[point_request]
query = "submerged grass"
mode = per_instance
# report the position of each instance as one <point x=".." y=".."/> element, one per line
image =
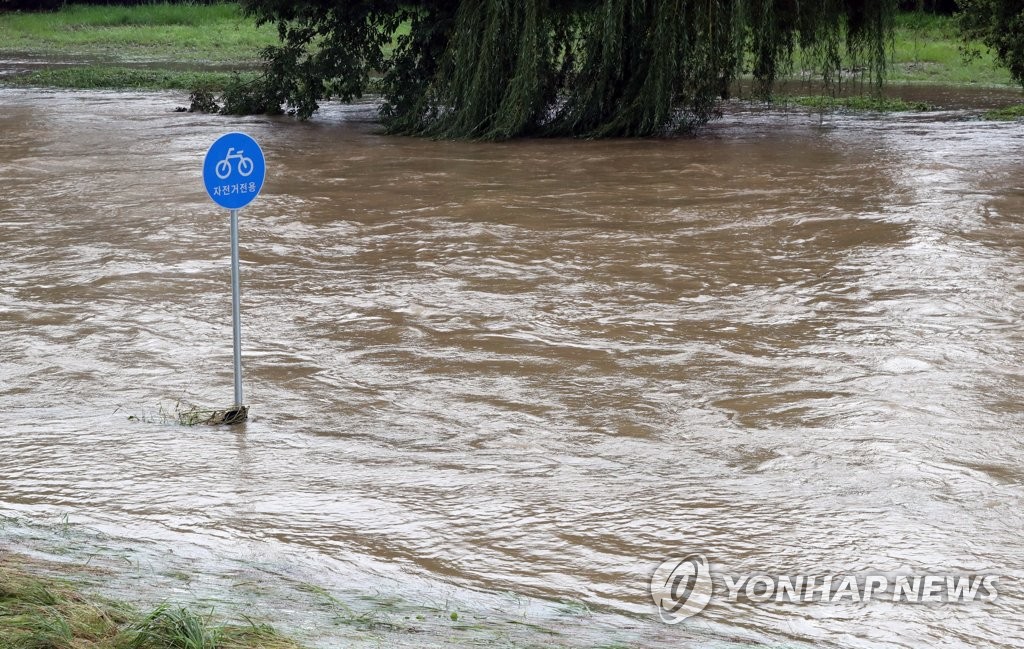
<point x="188" y="414"/>
<point x="122" y="78"/>
<point x="40" y="611"/>
<point x="1005" y="114"/>
<point x="46" y="613"/>
<point x="858" y="104"/>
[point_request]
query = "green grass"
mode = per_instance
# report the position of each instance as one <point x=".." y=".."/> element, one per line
<point x="122" y="78"/>
<point x="926" y="48"/>
<point x="180" y="33"/>
<point x="1007" y="113"/>
<point x="45" y="613"/>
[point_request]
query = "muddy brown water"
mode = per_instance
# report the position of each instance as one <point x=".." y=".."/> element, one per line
<point x="793" y="344"/>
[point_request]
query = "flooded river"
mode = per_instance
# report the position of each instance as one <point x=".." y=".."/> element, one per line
<point x="535" y="369"/>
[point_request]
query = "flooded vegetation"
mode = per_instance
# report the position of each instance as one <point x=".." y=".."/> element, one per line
<point x="47" y="612"/>
<point x="506" y="381"/>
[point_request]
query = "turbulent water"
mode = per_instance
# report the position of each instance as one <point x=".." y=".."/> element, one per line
<point x="792" y="344"/>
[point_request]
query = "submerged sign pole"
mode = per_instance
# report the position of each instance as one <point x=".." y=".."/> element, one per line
<point x="233" y="172"/>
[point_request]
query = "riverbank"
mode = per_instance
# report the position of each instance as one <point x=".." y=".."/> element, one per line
<point x="274" y="600"/>
<point x="168" y="36"/>
<point x="189" y="47"/>
<point x="42" y="611"/>
<point x="147" y="47"/>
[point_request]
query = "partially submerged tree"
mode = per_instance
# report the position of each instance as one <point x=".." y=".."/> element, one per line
<point x="495" y="69"/>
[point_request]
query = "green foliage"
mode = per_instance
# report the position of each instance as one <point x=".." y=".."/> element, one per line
<point x="40" y="613"/>
<point x="999" y="25"/>
<point x="202" y="100"/>
<point x="929" y="48"/>
<point x="1007" y="113"/>
<point x="328" y="49"/>
<point x="495" y="69"/>
<point x="173" y="627"/>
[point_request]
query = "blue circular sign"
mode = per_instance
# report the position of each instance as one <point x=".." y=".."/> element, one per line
<point x="233" y="171"/>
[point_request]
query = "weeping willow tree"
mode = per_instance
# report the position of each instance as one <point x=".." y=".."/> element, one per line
<point x="496" y="69"/>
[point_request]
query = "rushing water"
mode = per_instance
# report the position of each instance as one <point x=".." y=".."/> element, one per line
<point x="793" y="344"/>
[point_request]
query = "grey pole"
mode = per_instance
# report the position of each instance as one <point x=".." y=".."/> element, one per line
<point x="236" y="316"/>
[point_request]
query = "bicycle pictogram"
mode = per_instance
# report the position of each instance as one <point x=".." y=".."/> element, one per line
<point x="245" y="164"/>
<point x="233" y="170"/>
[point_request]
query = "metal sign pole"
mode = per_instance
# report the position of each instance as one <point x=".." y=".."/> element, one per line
<point x="233" y="172"/>
<point x="236" y="315"/>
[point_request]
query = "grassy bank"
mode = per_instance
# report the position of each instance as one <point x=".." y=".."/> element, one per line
<point x="155" y="46"/>
<point x="926" y="49"/>
<point x="38" y="612"/>
<point x="194" y="35"/>
<point x="51" y="571"/>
